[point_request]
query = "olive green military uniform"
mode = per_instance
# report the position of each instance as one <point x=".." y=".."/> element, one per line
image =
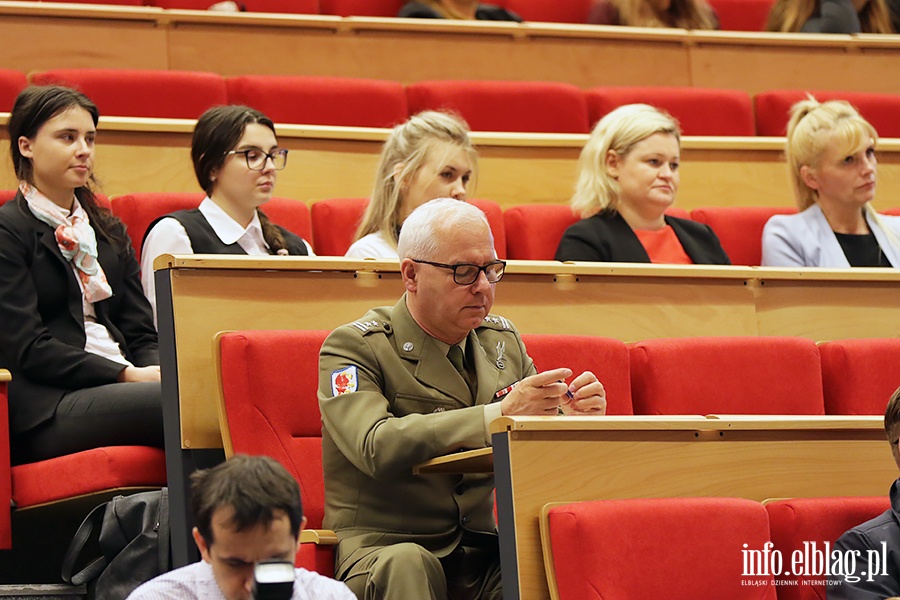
<point x="390" y="399"/>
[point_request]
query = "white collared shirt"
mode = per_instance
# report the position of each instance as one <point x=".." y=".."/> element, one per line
<point x="168" y="236"/>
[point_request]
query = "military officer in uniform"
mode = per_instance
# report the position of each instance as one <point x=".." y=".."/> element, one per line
<point x="424" y="378"/>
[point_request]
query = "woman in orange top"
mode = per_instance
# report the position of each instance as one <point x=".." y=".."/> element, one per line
<point x="628" y="178"/>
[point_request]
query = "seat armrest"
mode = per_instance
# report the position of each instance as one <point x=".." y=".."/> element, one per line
<point x="321" y="537"/>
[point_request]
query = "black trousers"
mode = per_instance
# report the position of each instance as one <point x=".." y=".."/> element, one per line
<point x="117" y="414"/>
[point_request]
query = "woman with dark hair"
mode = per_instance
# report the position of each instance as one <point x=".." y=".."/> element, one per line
<point x="236" y="159"/>
<point x="78" y="336"/>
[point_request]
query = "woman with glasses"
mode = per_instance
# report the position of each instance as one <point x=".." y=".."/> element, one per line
<point x="236" y="160"/>
<point x="628" y="178"/>
<point x="77" y="332"/>
<point x="429" y="156"/>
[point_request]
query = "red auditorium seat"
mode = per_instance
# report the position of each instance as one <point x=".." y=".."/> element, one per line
<point x="137" y="93"/>
<point x="137" y="211"/>
<point x="361" y="8"/>
<point x="110" y="2"/>
<point x="740" y="228"/>
<point x="773" y="108"/>
<point x="11" y="83"/>
<point x="549" y="11"/>
<point x="726" y="375"/>
<point x="305" y="7"/>
<point x="534" y="230"/>
<point x="643" y="548"/>
<point x="859" y="375"/>
<point x="99" y="471"/>
<point x="796" y="523"/>
<point x="742" y="15"/>
<point x="517" y="106"/>
<point x="700" y="111"/>
<point x="321" y="100"/>
<point x="334" y="223"/>
<point x="607" y="358"/>
<point x="269" y="381"/>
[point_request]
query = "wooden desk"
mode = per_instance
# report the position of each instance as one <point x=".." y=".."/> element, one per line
<point x="199" y="296"/>
<point x="567" y="459"/>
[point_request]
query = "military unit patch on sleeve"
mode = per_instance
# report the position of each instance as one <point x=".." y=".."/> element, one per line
<point x="344" y="381"/>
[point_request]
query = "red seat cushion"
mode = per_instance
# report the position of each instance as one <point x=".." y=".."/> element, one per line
<point x="742" y="15"/>
<point x="341" y="101"/>
<point x="726" y="375"/>
<point x="86" y="472"/>
<point x="534" y="230"/>
<point x="142" y="93"/>
<point x="361" y="8"/>
<point x="860" y="375"/>
<point x="550" y="11"/>
<point x="607" y="358"/>
<point x="519" y="106"/>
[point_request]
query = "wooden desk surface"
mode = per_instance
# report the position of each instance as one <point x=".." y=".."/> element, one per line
<point x="539" y="460"/>
<point x="212" y="293"/>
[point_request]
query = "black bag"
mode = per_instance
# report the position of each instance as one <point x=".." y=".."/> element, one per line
<point x="133" y="537"/>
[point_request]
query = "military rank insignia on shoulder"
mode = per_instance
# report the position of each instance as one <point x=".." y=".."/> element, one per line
<point x="366" y="327"/>
<point x="496" y="322"/>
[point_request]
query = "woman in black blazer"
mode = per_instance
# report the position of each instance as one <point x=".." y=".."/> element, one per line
<point x="628" y="178"/>
<point x="78" y="335"/>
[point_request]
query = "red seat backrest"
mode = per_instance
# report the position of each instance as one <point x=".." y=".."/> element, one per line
<point x="11" y="83"/>
<point x="550" y="11"/>
<point x="859" y="375"/>
<point x="798" y="523"/>
<point x="269" y="385"/>
<point x="699" y="111"/>
<point x="518" y="106"/>
<point x="642" y="548"/>
<point x="533" y="231"/>
<point x="305" y="7"/>
<point x="142" y="93"/>
<point x="742" y="15"/>
<point x="726" y="375"/>
<point x="607" y="358"/>
<point x="137" y="211"/>
<point x="341" y="101"/>
<point x="334" y="223"/>
<point x="361" y="8"/>
<point x="740" y="228"/>
<point x="773" y="108"/>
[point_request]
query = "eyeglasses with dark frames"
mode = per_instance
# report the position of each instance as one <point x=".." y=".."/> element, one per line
<point x="467" y="273"/>
<point x="256" y="158"/>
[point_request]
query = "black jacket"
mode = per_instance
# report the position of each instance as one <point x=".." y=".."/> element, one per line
<point x="606" y="237"/>
<point x="42" y="331"/>
<point x="484" y="12"/>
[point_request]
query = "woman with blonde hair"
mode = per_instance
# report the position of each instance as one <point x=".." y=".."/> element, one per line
<point x="830" y="16"/>
<point x="456" y="9"/>
<point x="429" y="156"/>
<point x="831" y="157"/>
<point x="628" y="177"/>
<point x="683" y="14"/>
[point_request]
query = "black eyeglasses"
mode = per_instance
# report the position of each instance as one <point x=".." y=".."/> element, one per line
<point x="256" y="158"/>
<point x="467" y="273"/>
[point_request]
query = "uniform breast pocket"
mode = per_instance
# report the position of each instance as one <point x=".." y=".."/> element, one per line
<point x="420" y="405"/>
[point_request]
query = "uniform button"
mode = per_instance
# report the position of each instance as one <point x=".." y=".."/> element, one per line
<point x="464" y="520"/>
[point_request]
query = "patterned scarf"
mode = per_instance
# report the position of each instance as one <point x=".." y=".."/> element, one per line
<point x="76" y="240"/>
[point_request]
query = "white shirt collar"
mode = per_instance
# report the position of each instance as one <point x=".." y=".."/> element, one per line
<point x="227" y="229"/>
